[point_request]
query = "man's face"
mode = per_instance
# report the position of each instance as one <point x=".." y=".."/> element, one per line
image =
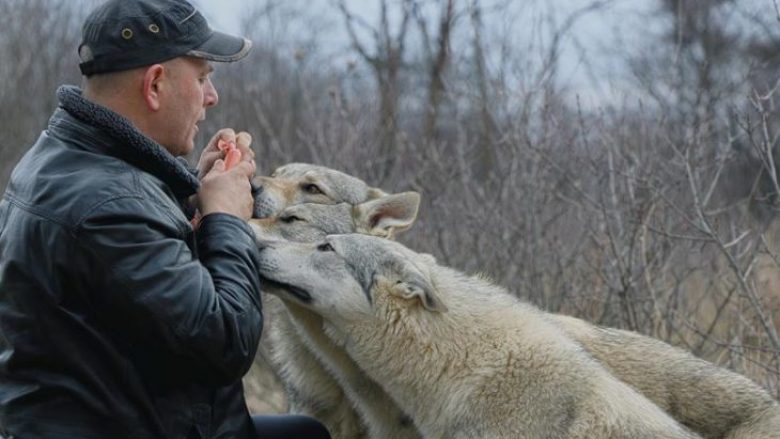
<point x="189" y="92"/>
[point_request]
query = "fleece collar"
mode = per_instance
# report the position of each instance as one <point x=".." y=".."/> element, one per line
<point x="129" y="143"/>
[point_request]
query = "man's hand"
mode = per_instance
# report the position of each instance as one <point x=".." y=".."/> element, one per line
<point x="212" y="152"/>
<point x="226" y="190"/>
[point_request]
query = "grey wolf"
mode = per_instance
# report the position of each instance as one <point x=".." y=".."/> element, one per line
<point x="299" y="183"/>
<point x="306" y="201"/>
<point x="463" y="357"/>
<point x="691" y="391"/>
<point x="710" y="400"/>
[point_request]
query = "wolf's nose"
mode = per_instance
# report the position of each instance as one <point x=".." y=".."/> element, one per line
<point x="258" y="211"/>
<point x="257" y="189"/>
<point x="263" y="244"/>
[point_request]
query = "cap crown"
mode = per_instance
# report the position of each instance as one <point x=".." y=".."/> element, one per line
<point x="124" y="34"/>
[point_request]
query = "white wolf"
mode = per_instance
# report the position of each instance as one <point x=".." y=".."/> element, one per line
<point x="304" y="201"/>
<point x="463" y="357"/>
<point x="710" y="400"/>
<point x="299" y="183"/>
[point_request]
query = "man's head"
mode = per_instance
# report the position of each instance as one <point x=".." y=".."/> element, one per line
<point x="149" y="60"/>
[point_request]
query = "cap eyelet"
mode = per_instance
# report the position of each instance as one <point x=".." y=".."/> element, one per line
<point x="127" y="33"/>
<point x="153" y="28"/>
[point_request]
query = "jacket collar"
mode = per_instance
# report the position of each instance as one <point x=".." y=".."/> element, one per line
<point x="129" y="144"/>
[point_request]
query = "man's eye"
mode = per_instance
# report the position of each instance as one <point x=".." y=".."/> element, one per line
<point x="312" y="189"/>
<point x="325" y="247"/>
<point x="289" y="219"/>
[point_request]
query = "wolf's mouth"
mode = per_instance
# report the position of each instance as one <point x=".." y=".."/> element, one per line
<point x="294" y="291"/>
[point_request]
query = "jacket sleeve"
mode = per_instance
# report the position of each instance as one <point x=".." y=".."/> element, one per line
<point x="178" y="314"/>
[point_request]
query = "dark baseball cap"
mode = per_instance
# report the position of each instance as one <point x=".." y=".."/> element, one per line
<point x="125" y="34"/>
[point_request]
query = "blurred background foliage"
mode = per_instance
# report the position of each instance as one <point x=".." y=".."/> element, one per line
<point x="630" y="179"/>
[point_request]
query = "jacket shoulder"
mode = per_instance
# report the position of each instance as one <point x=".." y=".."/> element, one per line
<point x="62" y="182"/>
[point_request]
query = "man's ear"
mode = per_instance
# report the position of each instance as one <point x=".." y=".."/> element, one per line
<point x="152" y="84"/>
<point x="388" y="214"/>
<point x="414" y="284"/>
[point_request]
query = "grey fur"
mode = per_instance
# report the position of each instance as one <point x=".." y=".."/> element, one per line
<point x="692" y="391"/>
<point x="308" y="363"/>
<point x="463" y="357"/>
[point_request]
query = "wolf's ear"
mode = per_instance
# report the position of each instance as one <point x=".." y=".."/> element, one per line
<point x="374" y="193"/>
<point x="388" y="214"/>
<point x="414" y="284"/>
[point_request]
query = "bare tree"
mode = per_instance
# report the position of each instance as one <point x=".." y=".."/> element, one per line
<point x="486" y="155"/>
<point x="386" y="61"/>
<point x="437" y="55"/>
<point x="636" y="214"/>
<point x="33" y="68"/>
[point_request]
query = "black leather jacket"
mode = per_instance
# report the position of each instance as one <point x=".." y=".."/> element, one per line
<point x="116" y="319"/>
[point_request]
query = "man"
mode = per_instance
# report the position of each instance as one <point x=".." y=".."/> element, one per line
<point x="117" y="318"/>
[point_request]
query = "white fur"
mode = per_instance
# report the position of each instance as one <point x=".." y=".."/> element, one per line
<point x="462" y="357"/>
<point x="321" y="380"/>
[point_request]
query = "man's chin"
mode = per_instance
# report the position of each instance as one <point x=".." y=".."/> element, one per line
<point x="180" y="150"/>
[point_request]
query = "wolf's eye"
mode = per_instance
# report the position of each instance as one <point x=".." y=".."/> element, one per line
<point x="289" y="219"/>
<point x="312" y="189"/>
<point x="325" y="247"/>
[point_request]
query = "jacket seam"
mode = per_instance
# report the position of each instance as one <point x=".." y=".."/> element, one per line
<point x="33" y="210"/>
<point x="102" y="203"/>
<point x="160" y="206"/>
<point x="234" y="221"/>
<point x="166" y="209"/>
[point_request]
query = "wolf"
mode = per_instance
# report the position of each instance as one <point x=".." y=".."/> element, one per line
<point x="300" y="183"/>
<point x="463" y="357"/>
<point x="300" y="202"/>
<point x="712" y="401"/>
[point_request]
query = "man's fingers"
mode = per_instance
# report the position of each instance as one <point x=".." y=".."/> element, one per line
<point x="225" y="134"/>
<point x="232" y="157"/>
<point x="244" y="139"/>
<point x="246" y="167"/>
<point x="219" y="165"/>
<point x="243" y="143"/>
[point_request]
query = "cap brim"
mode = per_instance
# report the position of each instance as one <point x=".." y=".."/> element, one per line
<point x="221" y="47"/>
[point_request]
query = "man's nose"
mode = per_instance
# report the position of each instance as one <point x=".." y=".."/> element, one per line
<point x="210" y="97"/>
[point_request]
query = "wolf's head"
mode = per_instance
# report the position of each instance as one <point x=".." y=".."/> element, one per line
<point x="310" y="222"/>
<point x="299" y="183"/>
<point x="350" y="278"/>
<point x="305" y="203"/>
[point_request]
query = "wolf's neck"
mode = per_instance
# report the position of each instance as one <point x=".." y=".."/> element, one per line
<point x="417" y="369"/>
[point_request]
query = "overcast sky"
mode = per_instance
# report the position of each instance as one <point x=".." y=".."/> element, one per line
<point x="594" y="33"/>
<point x="599" y="40"/>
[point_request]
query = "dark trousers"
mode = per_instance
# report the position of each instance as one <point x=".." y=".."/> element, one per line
<point x="288" y="427"/>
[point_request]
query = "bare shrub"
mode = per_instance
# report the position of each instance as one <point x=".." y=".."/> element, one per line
<point x="656" y="213"/>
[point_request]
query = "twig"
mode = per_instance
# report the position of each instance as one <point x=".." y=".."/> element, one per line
<point x="777" y="10"/>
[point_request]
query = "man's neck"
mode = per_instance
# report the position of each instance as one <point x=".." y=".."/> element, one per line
<point x="121" y="103"/>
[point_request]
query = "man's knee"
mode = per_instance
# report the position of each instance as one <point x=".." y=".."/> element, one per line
<point x="288" y="426"/>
